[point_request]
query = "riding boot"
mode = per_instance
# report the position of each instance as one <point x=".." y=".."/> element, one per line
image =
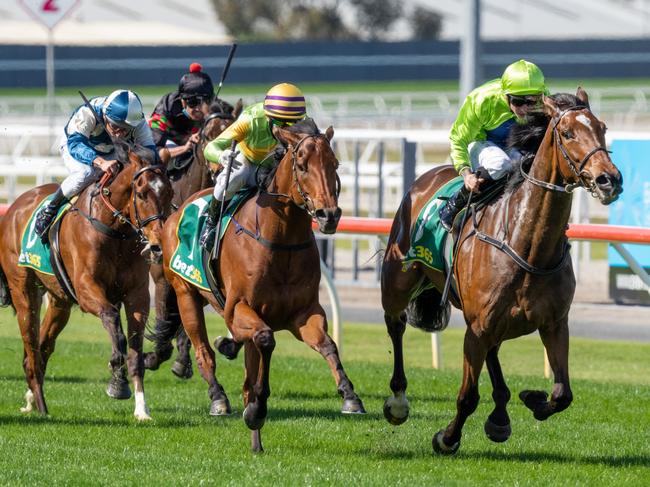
<point x="450" y="209"/>
<point x="46" y="216"/>
<point x="208" y="236"/>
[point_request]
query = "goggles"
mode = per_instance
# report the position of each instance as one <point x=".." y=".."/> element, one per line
<point x="282" y="123"/>
<point x="520" y="101"/>
<point x="194" y="101"/>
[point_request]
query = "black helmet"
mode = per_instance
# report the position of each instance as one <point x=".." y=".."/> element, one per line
<point x="196" y="84"/>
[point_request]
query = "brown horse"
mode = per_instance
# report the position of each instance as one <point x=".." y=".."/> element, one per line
<point x="511" y="267"/>
<point x="103" y="240"/>
<point x="194" y="176"/>
<point x="269" y="273"/>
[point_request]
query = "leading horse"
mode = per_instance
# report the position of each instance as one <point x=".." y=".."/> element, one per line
<point x="269" y="272"/>
<point x="104" y="239"/>
<point x="186" y="180"/>
<point x="512" y="269"/>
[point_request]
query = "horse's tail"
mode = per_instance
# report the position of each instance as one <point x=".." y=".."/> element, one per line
<point x="5" y="295"/>
<point x="425" y="312"/>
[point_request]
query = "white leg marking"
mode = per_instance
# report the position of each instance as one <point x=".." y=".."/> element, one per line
<point x="141" y="410"/>
<point x="30" y="403"/>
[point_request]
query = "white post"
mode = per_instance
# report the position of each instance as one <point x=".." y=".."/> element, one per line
<point x="49" y="67"/>
<point x="337" y="330"/>
<point x="436" y="361"/>
<point x="547" y="365"/>
<point x="470" y="47"/>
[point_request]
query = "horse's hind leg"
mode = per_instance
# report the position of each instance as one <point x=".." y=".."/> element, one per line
<point x="447" y="441"/>
<point x="314" y="334"/>
<point x="136" y="306"/>
<point x="27" y="303"/>
<point x="556" y="342"/>
<point x="118" y="385"/>
<point x="191" y="309"/>
<point x="497" y="426"/>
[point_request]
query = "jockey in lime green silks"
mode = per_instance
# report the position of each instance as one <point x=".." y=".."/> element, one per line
<point x="283" y="105"/>
<point x="479" y="135"/>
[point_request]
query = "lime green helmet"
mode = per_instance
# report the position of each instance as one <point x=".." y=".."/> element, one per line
<point x="522" y="78"/>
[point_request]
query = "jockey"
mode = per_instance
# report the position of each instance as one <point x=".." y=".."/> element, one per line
<point x="479" y="135"/>
<point x="283" y="106"/>
<point x="87" y="148"/>
<point x="178" y="116"/>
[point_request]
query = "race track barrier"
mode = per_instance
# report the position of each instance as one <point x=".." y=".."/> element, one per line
<point x="616" y="235"/>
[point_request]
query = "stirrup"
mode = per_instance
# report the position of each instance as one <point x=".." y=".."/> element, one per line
<point x="207" y="238"/>
<point x="43" y="222"/>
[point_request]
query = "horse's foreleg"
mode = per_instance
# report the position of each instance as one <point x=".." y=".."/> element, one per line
<point x="191" y="310"/>
<point x="118" y="386"/>
<point x="251" y="371"/>
<point x="396" y="408"/>
<point x="136" y="306"/>
<point x="556" y="342"/>
<point x="248" y="327"/>
<point x="497" y="425"/>
<point x="447" y="441"/>
<point x="27" y="303"/>
<point x="55" y="319"/>
<point x="314" y="334"/>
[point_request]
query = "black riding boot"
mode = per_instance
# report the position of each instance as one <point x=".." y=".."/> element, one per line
<point x="208" y="235"/>
<point x="48" y="212"/>
<point x="454" y="204"/>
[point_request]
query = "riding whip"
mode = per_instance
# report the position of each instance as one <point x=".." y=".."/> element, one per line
<point x="445" y="291"/>
<point x="217" y="241"/>
<point x="87" y="103"/>
<point x="233" y="48"/>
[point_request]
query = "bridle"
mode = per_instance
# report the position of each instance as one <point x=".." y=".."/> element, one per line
<point x="202" y="137"/>
<point x="308" y="203"/>
<point x="137" y="229"/>
<point x="585" y="182"/>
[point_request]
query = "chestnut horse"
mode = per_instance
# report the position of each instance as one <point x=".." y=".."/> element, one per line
<point x="104" y="239"/>
<point x="511" y="268"/>
<point x="269" y="272"/>
<point x="192" y="177"/>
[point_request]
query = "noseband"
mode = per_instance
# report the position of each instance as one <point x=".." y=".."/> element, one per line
<point x="579" y="172"/>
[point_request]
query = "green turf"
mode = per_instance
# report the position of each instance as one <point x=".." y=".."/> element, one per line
<point x="90" y="439"/>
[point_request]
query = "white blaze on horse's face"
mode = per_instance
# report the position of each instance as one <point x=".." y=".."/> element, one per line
<point x="157" y="186"/>
<point x="584" y="120"/>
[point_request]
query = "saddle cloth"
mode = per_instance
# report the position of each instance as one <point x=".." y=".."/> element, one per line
<point x="187" y="260"/>
<point x="34" y="252"/>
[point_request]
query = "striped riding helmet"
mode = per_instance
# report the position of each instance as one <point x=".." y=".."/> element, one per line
<point x="285" y="102"/>
<point x="123" y="108"/>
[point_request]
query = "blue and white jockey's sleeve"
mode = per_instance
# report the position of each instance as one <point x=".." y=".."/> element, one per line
<point x="142" y="136"/>
<point x="78" y="130"/>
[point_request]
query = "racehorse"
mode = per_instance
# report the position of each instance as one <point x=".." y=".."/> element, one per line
<point x="269" y="272"/>
<point x="511" y="267"/>
<point x="104" y="239"/>
<point x="193" y="176"/>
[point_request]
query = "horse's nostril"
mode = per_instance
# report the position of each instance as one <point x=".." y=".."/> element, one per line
<point x="155" y="249"/>
<point x="604" y="180"/>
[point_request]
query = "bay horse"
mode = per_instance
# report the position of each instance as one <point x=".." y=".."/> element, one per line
<point x="104" y="239"/>
<point x="503" y="294"/>
<point x="269" y="272"/>
<point x="193" y="176"/>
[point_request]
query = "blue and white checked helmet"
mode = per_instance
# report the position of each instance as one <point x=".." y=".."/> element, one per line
<point x="123" y="108"/>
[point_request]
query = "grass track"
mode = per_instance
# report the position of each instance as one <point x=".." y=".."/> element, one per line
<point x="90" y="439"/>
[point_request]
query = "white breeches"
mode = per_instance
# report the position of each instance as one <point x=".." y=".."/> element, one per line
<point x="81" y="175"/>
<point x="497" y="161"/>
<point x="243" y="173"/>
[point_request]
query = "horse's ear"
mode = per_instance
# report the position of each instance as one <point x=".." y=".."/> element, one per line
<point x="550" y="107"/>
<point x="121" y="150"/>
<point x="582" y="96"/>
<point x="285" y="136"/>
<point x="329" y="133"/>
<point x="239" y="106"/>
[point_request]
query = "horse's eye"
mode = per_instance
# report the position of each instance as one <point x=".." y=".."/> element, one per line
<point x="141" y="196"/>
<point x="567" y="134"/>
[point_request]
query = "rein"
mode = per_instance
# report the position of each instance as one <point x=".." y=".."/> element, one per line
<point x="568" y="187"/>
<point x="134" y="230"/>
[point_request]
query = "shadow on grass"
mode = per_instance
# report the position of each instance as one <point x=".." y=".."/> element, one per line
<point x="316" y="395"/>
<point x="63" y="379"/>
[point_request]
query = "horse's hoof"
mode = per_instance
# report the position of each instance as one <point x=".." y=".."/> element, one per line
<point x="353" y="406"/>
<point x="118" y="389"/>
<point x="142" y="415"/>
<point x="227" y="347"/>
<point x="396" y="412"/>
<point x="182" y="370"/>
<point x="497" y="433"/>
<point x="151" y="361"/>
<point x="440" y="447"/>
<point x="220" y="407"/>
<point x="253" y="417"/>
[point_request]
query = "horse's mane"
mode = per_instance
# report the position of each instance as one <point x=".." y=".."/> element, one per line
<point x="122" y="150"/>
<point x="527" y="137"/>
<point x="305" y="126"/>
<point x="221" y="106"/>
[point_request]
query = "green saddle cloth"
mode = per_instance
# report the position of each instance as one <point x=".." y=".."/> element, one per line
<point x="187" y="260"/>
<point x="34" y="252"/>
<point x="428" y="239"/>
